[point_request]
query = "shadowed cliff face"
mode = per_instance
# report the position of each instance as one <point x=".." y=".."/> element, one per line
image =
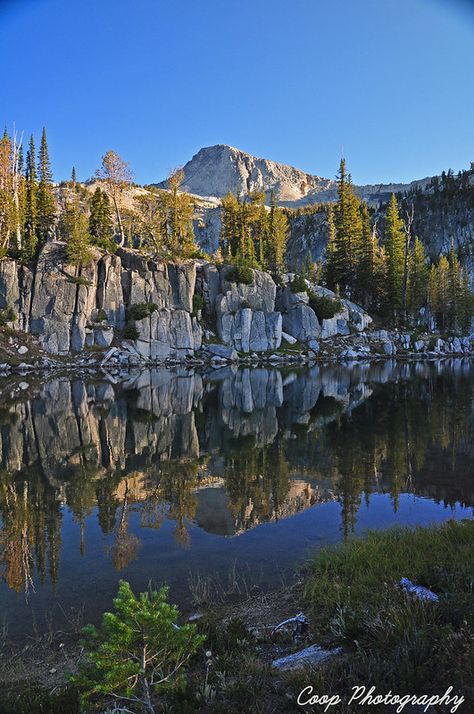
<point x="97" y="479"/>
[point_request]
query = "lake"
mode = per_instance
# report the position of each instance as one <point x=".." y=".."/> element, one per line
<point x="223" y="481"/>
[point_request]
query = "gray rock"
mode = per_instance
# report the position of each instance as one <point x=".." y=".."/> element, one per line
<point x="310" y="656"/>
<point x="288" y="338"/>
<point x="222" y="351"/>
<point x="313" y="345"/>
<point x="419" y="346"/>
<point x="389" y="348"/>
<point x="103" y="337"/>
<point x="22" y="350"/>
<point x="301" y="323"/>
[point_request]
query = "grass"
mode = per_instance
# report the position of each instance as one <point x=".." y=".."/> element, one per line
<point x="391" y="640"/>
<point x="350" y="596"/>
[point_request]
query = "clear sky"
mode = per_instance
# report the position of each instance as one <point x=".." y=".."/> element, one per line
<point x="388" y="82"/>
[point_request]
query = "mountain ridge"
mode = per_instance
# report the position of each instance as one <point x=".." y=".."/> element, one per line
<point x="215" y="170"/>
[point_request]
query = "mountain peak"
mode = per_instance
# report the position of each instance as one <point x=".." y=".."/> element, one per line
<point x="216" y="170"/>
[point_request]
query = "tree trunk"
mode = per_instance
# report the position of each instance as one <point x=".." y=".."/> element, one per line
<point x="119" y="221"/>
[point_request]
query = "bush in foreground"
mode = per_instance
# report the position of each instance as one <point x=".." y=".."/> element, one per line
<point x="138" y="652"/>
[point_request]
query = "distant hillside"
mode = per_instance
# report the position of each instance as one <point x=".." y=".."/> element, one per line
<point x="216" y="170"/>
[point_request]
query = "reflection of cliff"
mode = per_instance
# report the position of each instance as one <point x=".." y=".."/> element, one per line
<point x="228" y="450"/>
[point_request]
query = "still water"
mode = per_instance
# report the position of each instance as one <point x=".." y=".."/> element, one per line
<point x="233" y="476"/>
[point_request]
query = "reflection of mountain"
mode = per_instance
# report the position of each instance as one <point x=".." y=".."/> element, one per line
<point x="228" y="450"/>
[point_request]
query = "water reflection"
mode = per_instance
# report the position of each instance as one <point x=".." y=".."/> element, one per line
<point x="221" y="453"/>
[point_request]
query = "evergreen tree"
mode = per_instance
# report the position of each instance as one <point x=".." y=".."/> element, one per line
<point x="73" y="176"/>
<point x="177" y="210"/>
<point x="45" y="202"/>
<point x="394" y="246"/>
<point x="366" y="282"/>
<point x="75" y="231"/>
<point x="278" y="235"/>
<point x="439" y="292"/>
<point x="454" y="290"/>
<point x="6" y="194"/>
<point x="331" y="272"/>
<point x="466" y="304"/>
<point x="229" y="235"/>
<point x="100" y="220"/>
<point x="348" y="232"/>
<point x="418" y="276"/>
<point x="31" y="214"/>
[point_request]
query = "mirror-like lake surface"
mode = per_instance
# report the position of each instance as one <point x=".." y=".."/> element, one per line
<point x="179" y="477"/>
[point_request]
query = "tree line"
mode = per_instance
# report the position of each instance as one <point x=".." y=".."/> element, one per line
<point x="33" y="210"/>
<point x="385" y="267"/>
<point x="376" y="260"/>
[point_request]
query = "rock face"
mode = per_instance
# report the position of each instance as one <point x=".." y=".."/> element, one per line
<point x="245" y="314"/>
<point x="216" y="170"/>
<point x="71" y="309"/>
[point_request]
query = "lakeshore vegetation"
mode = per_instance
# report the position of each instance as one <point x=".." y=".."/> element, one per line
<point x="141" y="660"/>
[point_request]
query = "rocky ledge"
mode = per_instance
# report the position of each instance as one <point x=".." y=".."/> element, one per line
<point x="127" y="310"/>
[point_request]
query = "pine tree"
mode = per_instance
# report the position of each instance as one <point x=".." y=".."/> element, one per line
<point x="31" y="215"/>
<point x="348" y="232"/>
<point x="100" y="220"/>
<point x="75" y="231"/>
<point x="46" y="203"/>
<point x="229" y="235"/>
<point x="466" y="304"/>
<point x="454" y="289"/>
<point x="278" y="236"/>
<point x="6" y="194"/>
<point x="394" y="245"/>
<point x="178" y="211"/>
<point x="366" y="283"/>
<point x="73" y="176"/>
<point x="331" y="273"/>
<point x="418" y="276"/>
<point x="439" y="292"/>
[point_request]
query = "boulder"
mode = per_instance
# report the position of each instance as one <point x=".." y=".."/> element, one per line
<point x="103" y="336"/>
<point x="288" y="338"/>
<point x="389" y="348"/>
<point x="301" y="323"/>
<point x="222" y="351"/>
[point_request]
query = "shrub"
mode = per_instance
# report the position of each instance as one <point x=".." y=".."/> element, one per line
<point x="131" y="332"/>
<point x="8" y="314"/>
<point x="298" y="284"/>
<point x="79" y="280"/>
<point x="142" y="310"/>
<point x="101" y="316"/>
<point x="138" y="651"/>
<point x="240" y="274"/>
<point x="198" y="304"/>
<point x="324" y="306"/>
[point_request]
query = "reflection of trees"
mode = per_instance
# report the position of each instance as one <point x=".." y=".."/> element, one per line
<point x="173" y="483"/>
<point x="413" y="435"/>
<point x="31" y="529"/>
<point x="257" y="480"/>
<point x="126" y="545"/>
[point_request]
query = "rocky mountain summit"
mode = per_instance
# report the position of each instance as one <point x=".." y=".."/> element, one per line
<point x="216" y="170"/>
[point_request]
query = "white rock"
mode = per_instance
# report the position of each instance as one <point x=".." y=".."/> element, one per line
<point x="288" y="338"/>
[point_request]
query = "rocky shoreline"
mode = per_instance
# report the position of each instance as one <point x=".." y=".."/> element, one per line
<point x="124" y="312"/>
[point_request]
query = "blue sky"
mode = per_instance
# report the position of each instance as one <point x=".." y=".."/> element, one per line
<point x="388" y="82"/>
